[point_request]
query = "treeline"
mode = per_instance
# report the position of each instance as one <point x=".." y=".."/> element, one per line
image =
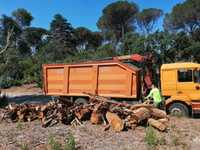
<point x="123" y="29"/>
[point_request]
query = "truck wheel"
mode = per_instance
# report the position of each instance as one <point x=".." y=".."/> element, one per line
<point x="81" y="100"/>
<point x="178" y="109"/>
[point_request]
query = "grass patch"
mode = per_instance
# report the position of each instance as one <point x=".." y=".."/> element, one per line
<point x="151" y="137"/>
<point x="173" y="126"/>
<point x="162" y="141"/>
<point x="175" y="140"/>
<point x="70" y="143"/>
<point x="19" y="125"/>
<point x="53" y="143"/>
<point x="24" y="146"/>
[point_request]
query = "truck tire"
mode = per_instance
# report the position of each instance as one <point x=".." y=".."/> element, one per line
<point x="179" y="109"/>
<point x="81" y="100"/>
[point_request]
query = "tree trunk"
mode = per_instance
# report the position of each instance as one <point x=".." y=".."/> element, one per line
<point x="158" y="114"/>
<point x="8" y="41"/>
<point x="157" y="124"/>
<point x="123" y="32"/>
<point x="141" y="114"/>
<point x="115" y="122"/>
<point x="96" y="118"/>
<point x="136" y="106"/>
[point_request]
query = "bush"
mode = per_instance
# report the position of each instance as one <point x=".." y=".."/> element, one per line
<point x="53" y="143"/>
<point x="70" y="143"/>
<point x="6" y="82"/>
<point x="151" y="138"/>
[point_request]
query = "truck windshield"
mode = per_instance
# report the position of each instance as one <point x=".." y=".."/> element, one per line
<point x="196" y="74"/>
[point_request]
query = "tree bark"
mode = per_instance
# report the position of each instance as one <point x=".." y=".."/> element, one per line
<point x="8" y="41"/>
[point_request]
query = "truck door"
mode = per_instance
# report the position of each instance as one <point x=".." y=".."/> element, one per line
<point x="188" y="83"/>
<point x="196" y="79"/>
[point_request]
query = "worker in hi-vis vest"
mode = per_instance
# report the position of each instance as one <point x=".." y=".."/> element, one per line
<point x="155" y="94"/>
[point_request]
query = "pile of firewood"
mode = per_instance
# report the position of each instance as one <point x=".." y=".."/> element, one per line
<point x="99" y="110"/>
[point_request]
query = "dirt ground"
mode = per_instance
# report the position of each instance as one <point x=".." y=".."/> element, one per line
<point x="27" y="89"/>
<point x="182" y="133"/>
<point x="28" y="93"/>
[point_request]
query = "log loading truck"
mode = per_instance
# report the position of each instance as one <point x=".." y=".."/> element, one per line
<point x="118" y="78"/>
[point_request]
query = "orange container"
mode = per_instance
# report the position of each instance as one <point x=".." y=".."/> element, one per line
<point x="105" y="78"/>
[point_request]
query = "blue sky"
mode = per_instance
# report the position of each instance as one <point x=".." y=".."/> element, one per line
<point x="78" y="12"/>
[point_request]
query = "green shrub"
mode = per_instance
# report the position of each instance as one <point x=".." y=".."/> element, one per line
<point x="70" y="143"/>
<point x="53" y="143"/>
<point x="24" y="146"/>
<point x="6" y="82"/>
<point x="151" y="138"/>
<point x="19" y="125"/>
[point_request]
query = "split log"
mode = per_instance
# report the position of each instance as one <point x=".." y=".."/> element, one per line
<point x="41" y="115"/>
<point x="157" y="113"/>
<point x="105" y="99"/>
<point x="141" y="114"/>
<point x="164" y="120"/>
<point x="115" y="122"/>
<point x="12" y="107"/>
<point x="76" y="122"/>
<point x="131" y="122"/>
<point x="96" y="118"/>
<point x="46" y="122"/>
<point x="136" y="106"/>
<point x="157" y="124"/>
<point x="83" y="114"/>
<point x="122" y="112"/>
<point x="106" y="127"/>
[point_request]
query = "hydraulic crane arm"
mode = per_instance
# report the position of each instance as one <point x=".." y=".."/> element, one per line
<point x="134" y="57"/>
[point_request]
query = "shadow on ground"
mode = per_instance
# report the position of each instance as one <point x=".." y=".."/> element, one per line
<point x="41" y="99"/>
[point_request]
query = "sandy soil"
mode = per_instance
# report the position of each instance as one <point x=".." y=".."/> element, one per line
<point x="182" y="133"/>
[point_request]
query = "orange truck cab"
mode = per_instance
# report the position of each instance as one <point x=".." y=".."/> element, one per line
<point x="180" y="85"/>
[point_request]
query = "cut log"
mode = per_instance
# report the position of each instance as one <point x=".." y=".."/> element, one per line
<point x="106" y="127"/>
<point x="12" y="107"/>
<point x="83" y="114"/>
<point x="76" y="122"/>
<point x="164" y="120"/>
<point x="46" y="122"/>
<point x="136" y="106"/>
<point x="157" y="113"/>
<point x="96" y="118"/>
<point x="157" y="124"/>
<point x="43" y="108"/>
<point x="99" y="110"/>
<point x="131" y="122"/>
<point x="141" y="114"/>
<point x="41" y="115"/>
<point x="115" y="122"/>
